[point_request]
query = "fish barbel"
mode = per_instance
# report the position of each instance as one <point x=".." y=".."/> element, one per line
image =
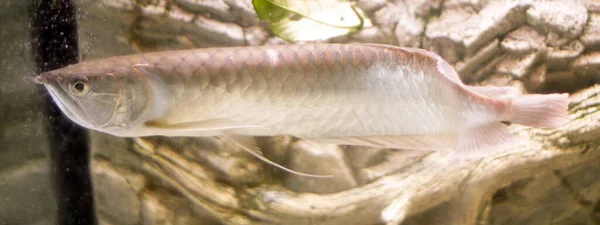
<point x="346" y="94"/>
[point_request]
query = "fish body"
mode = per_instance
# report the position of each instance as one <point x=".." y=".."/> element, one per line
<point x="354" y="94"/>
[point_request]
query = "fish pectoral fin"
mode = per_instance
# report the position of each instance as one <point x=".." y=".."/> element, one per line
<point x="406" y="142"/>
<point x="500" y="92"/>
<point x="199" y="126"/>
<point x="484" y="140"/>
<point x="248" y="144"/>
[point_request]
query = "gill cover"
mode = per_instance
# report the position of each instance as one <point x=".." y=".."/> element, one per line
<point x="157" y="93"/>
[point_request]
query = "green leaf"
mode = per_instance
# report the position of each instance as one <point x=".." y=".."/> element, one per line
<point x="307" y="20"/>
<point x="270" y="12"/>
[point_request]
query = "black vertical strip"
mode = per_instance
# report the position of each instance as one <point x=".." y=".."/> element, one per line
<point x="55" y="45"/>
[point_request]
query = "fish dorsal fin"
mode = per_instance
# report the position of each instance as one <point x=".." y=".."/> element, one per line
<point x="441" y="65"/>
<point x="496" y="92"/>
<point x="484" y="140"/>
<point x="249" y="145"/>
<point x="446" y="69"/>
<point x="196" y="128"/>
<point x="414" y="142"/>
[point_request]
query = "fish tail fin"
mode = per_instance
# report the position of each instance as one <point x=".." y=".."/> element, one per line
<point x="536" y="110"/>
<point x="484" y="140"/>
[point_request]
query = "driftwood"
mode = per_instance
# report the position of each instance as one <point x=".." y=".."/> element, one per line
<point x="528" y="44"/>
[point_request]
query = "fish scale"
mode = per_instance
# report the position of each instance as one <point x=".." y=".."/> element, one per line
<point x="300" y="92"/>
<point x="353" y="94"/>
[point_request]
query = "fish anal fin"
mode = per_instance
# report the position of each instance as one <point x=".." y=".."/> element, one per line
<point x="485" y="140"/>
<point x="435" y="142"/>
<point x="248" y="144"/>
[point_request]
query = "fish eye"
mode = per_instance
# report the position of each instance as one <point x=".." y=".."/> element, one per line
<point x="79" y="86"/>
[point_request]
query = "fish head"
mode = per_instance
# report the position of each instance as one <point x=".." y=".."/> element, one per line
<point x="105" y="101"/>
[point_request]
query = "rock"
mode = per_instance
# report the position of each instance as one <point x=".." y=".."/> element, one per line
<point x="487" y="68"/>
<point x="230" y="162"/>
<point x="595" y="214"/>
<point x="275" y="41"/>
<point x="409" y="29"/>
<point x="243" y="11"/>
<point x="446" y="48"/>
<point x="584" y="182"/>
<point x="498" y="80"/>
<point x="276" y="148"/>
<point x="320" y="159"/>
<point x="113" y="148"/>
<point x="537" y="79"/>
<point x="587" y="65"/>
<point x="591" y="34"/>
<point x="119" y="4"/>
<point x="115" y="198"/>
<point x="393" y="161"/>
<point x="520" y="85"/>
<point x="546" y="188"/>
<point x="372" y="35"/>
<point x="554" y="39"/>
<point x="407" y="26"/>
<point x="496" y="18"/>
<point x="518" y="66"/>
<point x="562" y="81"/>
<point x="504" y="80"/>
<point x="561" y="57"/>
<point x="223" y="33"/>
<point x="523" y="40"/>
<point x="154" y="212"/>
<point x="565" y="17"/>
<point x="156" y="24"/>
<point x="473" y="4"/>
<point x="360" y="157"/>
<point x="162" y="24"/>
<point x="469" y="67"/>
<point x="423" y="8"/>
<point x="450" y="24"/>
<point x="96" y="30"/>
<point x="370" y="6"/>
<point x="216" y="9"/>
<point x="591" y="5"/>
<point x="475" y="30"/>
<point x="542" y="81"/>
<point x="103" y="221"/>
<point x="183" y="172"/>
<point x="389" y="15"/>
<point x="162" y="207"/>
<point x="255" y="35"/>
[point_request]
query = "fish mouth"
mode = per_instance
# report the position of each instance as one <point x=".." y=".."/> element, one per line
<point x="35" y="79"/>
<point x="43" y="78"/>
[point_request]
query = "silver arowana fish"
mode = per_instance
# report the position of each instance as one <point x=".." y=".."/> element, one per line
<point x="346" y="94"/>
